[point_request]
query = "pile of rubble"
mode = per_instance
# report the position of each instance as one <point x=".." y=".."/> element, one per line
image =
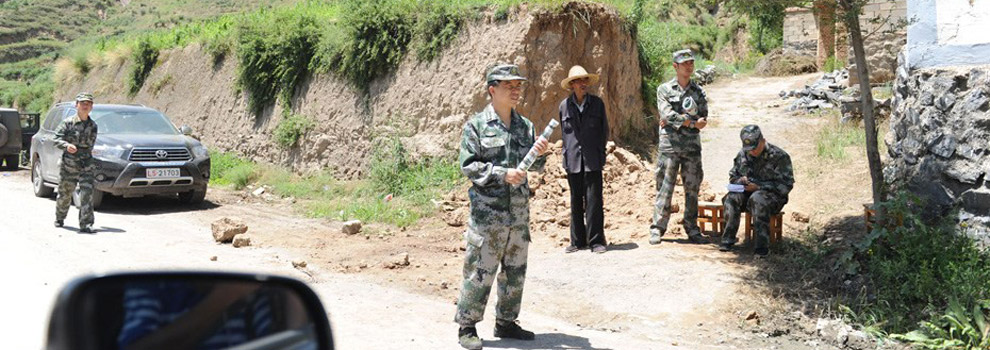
<point x="825" y="92"/>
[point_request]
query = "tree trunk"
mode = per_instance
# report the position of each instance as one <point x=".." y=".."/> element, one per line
<point x="852" y="9"/>
<point x="824" y="11"/>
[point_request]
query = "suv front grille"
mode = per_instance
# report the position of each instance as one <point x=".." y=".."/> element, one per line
<point x="160" y="154"/>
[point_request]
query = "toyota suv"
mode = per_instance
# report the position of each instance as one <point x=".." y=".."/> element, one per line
<point x="138" y="152"/>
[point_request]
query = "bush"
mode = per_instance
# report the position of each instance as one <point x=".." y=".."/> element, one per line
<point x="291" y="128"/>
<point x="378" y="32"/>
<point x="918" y="269"/>
<point x="436" y="28"/>
<point x="145" y="57"/>
<point x="274" y="52"/>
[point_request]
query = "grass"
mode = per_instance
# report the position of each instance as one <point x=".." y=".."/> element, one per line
<point x="834" y="138"/>
<point x="397" y="195"/>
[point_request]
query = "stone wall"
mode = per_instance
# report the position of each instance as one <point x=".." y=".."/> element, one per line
<point x="939" y="141"/>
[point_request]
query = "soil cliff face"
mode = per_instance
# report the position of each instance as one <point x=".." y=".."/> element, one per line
<point x="424" y="103"/>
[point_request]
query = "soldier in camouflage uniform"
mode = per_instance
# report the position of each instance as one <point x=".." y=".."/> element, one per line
<point x="680" y="147"/>
<point x="493" y="143"/>
<point x="76" y="135"/>
<point x="766" y="172"/>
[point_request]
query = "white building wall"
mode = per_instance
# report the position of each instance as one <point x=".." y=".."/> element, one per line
<point x="948" y="33"/>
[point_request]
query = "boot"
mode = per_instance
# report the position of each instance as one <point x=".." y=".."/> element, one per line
<point x="513" y="331"/>
<point x="655" y="235"/>
<point x="468" y="338"/>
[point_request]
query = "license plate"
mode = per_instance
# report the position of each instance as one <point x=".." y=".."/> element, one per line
<point x="162" y="172"/>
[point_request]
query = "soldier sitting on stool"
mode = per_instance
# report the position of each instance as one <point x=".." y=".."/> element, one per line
<point x="766" y="172"/>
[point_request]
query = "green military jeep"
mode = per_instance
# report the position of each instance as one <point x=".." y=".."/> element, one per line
<point x="16" y="130"/>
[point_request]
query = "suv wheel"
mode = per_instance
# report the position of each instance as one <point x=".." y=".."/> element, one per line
<point x="192" y="197"/>
<point x="40" y="190"/>
<point x="97" y="198"/>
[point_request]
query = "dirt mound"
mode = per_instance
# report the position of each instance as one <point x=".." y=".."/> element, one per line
<point x="781" y="62"/>
<point x="424" y="103"/>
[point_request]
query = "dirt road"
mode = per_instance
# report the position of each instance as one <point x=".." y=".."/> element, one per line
<point x="636" y="296"/>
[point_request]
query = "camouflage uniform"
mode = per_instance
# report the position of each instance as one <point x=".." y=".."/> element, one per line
<point x="76" y="168"/>
<point x="680" y="150"/>
<point x="498" y="229"/>
<point x="771" y="171"/>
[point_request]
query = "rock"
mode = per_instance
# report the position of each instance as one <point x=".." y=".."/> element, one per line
<point x="213" y="258"/>
<point x="609" y="147"/>
<point x="964" y="172"/>
<point x="859" y="340"/>
<point x="225" y="229"/>
<point x="977" y="200"/>
<point x="258" y="191"/>
<point x="351" y="227"/>
<point x="800" y="217"/>
<point x="397" y="261"/>
<point x="242" y="240"/>
<point x="675" y="208"/>
<point x="976" y="100"/>
<point x="945" y="147"/>
<point x="299" y="264"/>
<point x="456" y="218"/>
<point x="945" y="102"/>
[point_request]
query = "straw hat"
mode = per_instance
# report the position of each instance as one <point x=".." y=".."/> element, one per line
<point x="578" y="72"/>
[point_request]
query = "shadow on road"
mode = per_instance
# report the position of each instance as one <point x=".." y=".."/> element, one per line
<point x="150" y="205"/>
<point x="544" y="341"/>
<point x="623" y="246"/>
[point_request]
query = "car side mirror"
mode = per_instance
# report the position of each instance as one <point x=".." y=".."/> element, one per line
<point x="188" y="310"/>
<point x="186" y="130"/>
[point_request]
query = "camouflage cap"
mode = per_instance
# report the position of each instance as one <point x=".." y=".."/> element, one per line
<point x="502" y="72"/>
<point x="84" y="96"/>
<point x="683" y="56"/>
<point x="751" y="137"/>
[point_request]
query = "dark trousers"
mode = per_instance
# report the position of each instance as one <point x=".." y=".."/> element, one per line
<point x="760" y="204"/>
<point x="587" y="211"/>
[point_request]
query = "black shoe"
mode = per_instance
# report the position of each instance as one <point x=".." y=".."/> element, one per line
<point x="59" y="223"/>
<point x="762" y="252"/>
<point x="725" y="247"/>
<point x="468" y="338"/>
<point x="86" y="229"/>
<point x="513" y="331"/>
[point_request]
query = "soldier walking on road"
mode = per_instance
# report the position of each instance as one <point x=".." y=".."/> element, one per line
<point x="76" y="136"/>
<point x="765" y="171"/>
<point x="493" y="143"/>
<point x="683" y="108"/>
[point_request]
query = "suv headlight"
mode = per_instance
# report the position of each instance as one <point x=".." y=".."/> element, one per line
<point x="200" y="151"/>
<point x="108" y="152"/>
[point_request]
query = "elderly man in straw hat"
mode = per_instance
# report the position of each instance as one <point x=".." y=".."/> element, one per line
<point x="683" y="108"/>
<point x="584" y="128"/>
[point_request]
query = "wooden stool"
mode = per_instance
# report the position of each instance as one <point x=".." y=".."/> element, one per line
<point x="776" y="227"/>
<point x="710" y="213"/>
<point x="868" y="214"/>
